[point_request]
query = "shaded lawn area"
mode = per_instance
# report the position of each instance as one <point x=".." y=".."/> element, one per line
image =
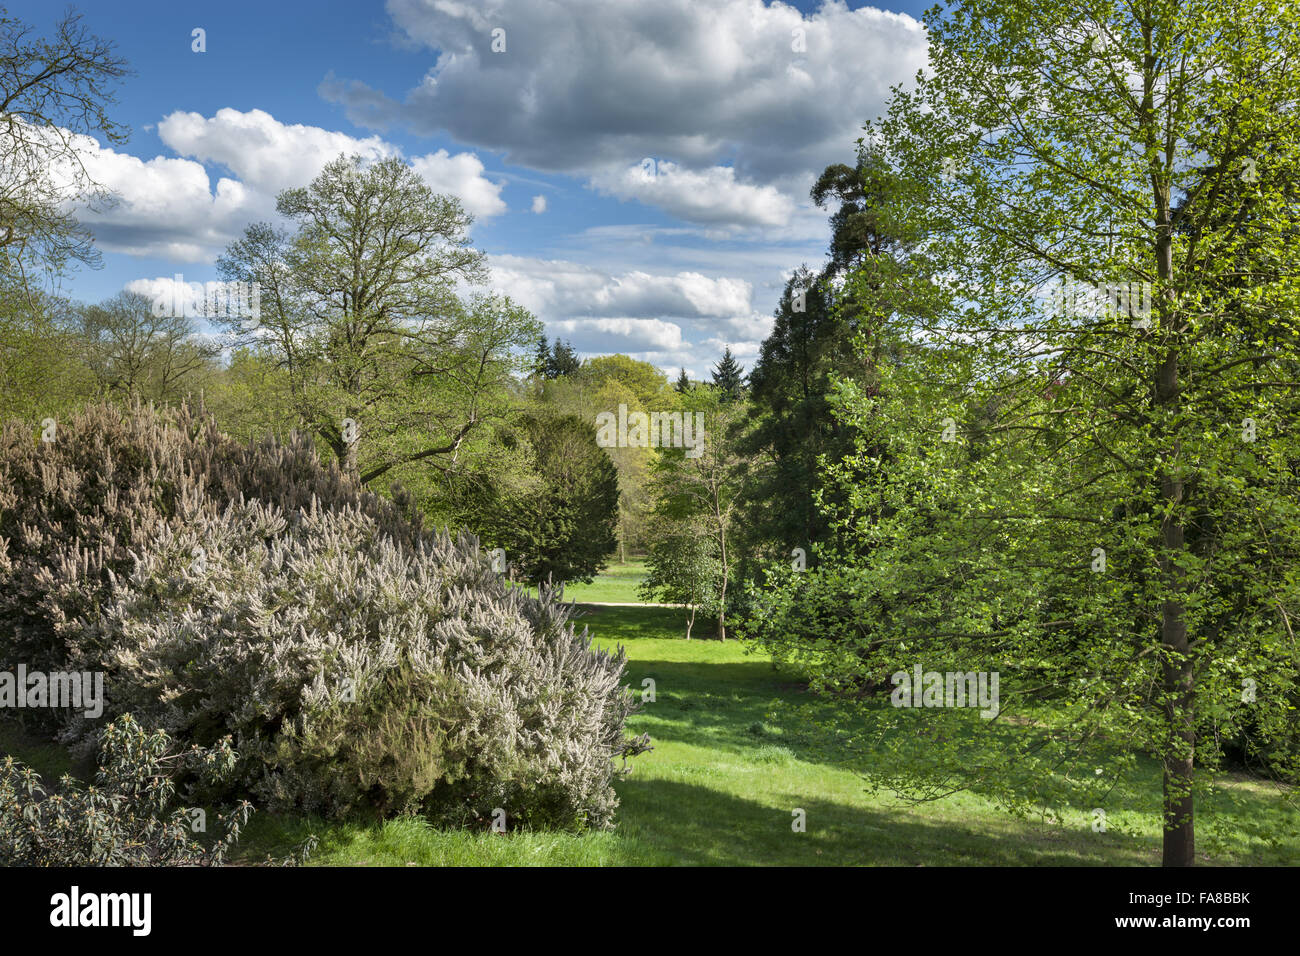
<point x="726" y="773"/>
<point x="615" y="625"/>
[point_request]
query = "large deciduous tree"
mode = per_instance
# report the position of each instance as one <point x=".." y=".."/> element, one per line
<point x="1085" y="475"/>
<point x="359" y="305"/>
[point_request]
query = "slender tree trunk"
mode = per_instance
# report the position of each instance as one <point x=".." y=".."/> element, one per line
<point x="1179" y="759"/>
<point x="690" y="622"/>
<point x="722" y="598"/>
<point x="1180" y="750"/>
<point x="722" y="549"/>
<point x="1178" y="682"/>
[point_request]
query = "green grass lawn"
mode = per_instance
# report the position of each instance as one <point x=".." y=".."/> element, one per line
<point x="728" y="769"/>
<point x="618" y="583"/>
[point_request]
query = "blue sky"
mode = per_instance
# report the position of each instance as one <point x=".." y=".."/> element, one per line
<point x="672" y="143"/>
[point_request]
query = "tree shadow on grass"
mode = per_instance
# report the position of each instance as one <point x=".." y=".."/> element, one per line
<point x="741" y="707"/>
<point x="697" y="825"/>
<point x="724" y="704"/>
<point x="615" y="624"/>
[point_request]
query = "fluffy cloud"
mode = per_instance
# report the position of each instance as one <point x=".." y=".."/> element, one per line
<point x="170" y="207"/>
<point x="558" y="289"/>
<point x="635" y="336"/>
<point x="589" y="86"/>
<point x="259" y="149"/>
<point x="165" y="207"/>
<point x="462" y="176"/>
<point x="539" y="204"/>
<point x="707" y="197"/>
<point x="676" y="320"/>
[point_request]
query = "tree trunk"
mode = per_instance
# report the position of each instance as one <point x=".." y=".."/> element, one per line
<point x="1179" y="755"/>
<point x="690" y="622"/>
<point x="722" y="598"/>
<point x="1179" y="762"/>
<point x="1178" y="682"/>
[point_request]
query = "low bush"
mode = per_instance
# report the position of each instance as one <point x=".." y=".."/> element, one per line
<point x="127" y="818"/>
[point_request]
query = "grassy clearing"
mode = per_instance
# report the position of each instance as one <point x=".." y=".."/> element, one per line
<point x="618" y="583"/>
<point x="727" y="771"/>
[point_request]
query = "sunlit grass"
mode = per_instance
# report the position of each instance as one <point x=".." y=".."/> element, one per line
<point x="617" y="583"/>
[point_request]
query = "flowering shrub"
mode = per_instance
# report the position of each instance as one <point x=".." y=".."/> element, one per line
<point x="359" y="663"/>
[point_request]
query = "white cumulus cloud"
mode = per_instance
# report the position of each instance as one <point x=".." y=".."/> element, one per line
<point x="710" y="196"/>
<point x="171" y="207"/>
<point x="588" y="87"/>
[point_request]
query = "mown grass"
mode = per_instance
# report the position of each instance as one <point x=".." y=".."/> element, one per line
<point x="725" y="776"/>
<point x="618" y="583"/>
<point x="730" y="765"/>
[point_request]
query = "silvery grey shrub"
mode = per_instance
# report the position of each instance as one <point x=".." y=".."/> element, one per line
<point x="75" y="509"/>
<point x="360" y="663"/>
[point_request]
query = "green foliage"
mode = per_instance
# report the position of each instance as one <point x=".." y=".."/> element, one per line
<point x="562" y="528"/>
<point x="1064" y="492"/>
<point x="791" y="423"/>
<point x="560" y="361"/>
<point x="43" y="373"/>
<point x="136" y="354"/>
<point x="601" y="386"/>
<point x="684" y="568"/>
<point x="541" y="357"/>
<point x="128" y="818"/>
<point x="386" y="364"/>
<point x="698" y="493"/>
<point x="728" y="378"/>
<point x="823" y="332"/>
<point x="645" y="382"/>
